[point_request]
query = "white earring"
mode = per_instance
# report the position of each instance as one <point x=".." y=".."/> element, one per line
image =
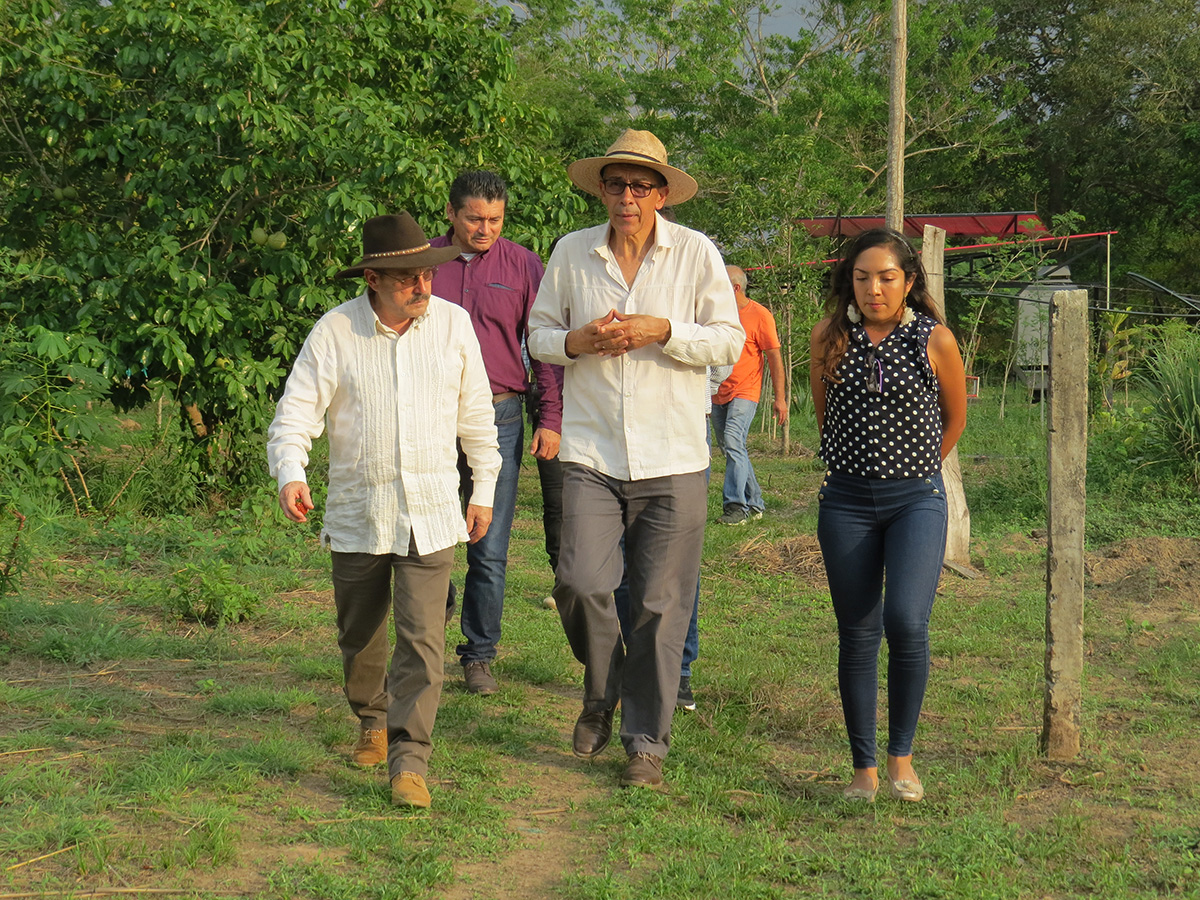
<point x="853" y="314"/>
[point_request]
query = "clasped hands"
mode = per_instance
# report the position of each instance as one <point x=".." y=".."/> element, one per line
<point x="616" y="334"/>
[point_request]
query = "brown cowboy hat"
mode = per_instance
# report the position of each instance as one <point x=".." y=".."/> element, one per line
<point x="396" y="242"/>
<point x="640" y="148"/>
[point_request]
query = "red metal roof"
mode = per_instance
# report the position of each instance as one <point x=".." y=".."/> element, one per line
<point x="991" y="224"/>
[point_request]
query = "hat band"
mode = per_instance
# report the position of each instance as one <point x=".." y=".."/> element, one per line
<point x="645" y="156"/>
<point x="420" y="249"/>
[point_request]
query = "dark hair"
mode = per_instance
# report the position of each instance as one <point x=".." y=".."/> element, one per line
<point x="841" y="291"/>
<point x="481" y="184"/>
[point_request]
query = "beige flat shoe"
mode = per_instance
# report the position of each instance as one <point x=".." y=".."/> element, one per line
<point x="856" y="793"/>
<point x="909" y="790"/>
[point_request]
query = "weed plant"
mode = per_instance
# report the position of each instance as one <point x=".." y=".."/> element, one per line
<point x="1175" y="379"/>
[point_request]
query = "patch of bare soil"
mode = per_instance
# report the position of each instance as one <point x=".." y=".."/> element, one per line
<point x="1160" y="575"/>
<point x="550" y="830"/>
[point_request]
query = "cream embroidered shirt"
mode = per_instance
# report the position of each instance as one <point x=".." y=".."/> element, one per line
<point x="639" y="415"/>
<point x="394" y="405"/>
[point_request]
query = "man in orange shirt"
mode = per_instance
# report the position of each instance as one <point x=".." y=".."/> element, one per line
<point x="736" y="401"/>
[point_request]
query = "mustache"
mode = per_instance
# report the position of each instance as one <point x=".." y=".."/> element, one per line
<point x="419" y="298"/>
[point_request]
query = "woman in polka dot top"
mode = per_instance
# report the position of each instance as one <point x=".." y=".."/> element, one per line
<point x="890" y="395"/>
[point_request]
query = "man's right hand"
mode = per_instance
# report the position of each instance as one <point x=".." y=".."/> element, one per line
<point x="592" y="338"/>
<point x="295" y="501"/>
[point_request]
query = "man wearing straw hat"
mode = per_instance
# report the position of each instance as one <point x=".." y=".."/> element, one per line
<point x="398" y="376"/>
<point x="635" y="310"/>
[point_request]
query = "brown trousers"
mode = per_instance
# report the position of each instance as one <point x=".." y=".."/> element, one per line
<point x="402" y="698"/>
<point x="662" y="521"/>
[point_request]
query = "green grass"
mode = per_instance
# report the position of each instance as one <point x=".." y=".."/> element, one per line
<point x="161" y="752"/>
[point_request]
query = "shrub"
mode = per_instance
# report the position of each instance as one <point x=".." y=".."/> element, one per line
<point x="1174" y="375"/>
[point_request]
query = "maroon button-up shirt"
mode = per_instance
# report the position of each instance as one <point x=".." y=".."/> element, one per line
<point x="498" y="288"/>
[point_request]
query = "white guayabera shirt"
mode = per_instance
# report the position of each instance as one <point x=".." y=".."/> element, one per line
<point x="394" y="405"/>
<point x="639" y="415"/>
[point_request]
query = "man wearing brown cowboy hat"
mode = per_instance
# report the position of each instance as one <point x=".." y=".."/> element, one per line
<point x="635" y="310"/>
<point x="398" y="376"/>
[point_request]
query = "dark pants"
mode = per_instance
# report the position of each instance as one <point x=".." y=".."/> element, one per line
<point x="662" y="522"/>
<point x="551" y="479"/>
<point x="402" y="698"/>
<point x="868" y="527"/>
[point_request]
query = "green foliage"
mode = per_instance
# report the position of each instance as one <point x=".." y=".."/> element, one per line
<point x="1174" y="374"/>
<point x="48" y="384"/>
<point x="147" y="142"/>
<point x="212" y="593"/>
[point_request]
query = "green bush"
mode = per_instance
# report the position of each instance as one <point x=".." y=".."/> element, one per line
<point x="1174" y="376"/>
<point x="211" y="593"/>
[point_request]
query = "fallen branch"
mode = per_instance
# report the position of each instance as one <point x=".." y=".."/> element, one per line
<point x="39" y="858"/>
<point x="359" y="819"/>
<point x="71" y="677"/>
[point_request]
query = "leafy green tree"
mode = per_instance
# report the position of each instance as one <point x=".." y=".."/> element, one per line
<point x="179" y="181"/>
<point x="1110" y="96"/>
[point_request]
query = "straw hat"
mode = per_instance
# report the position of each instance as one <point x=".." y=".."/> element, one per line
<point x="396" y="242"/>
<point x="640" y="148"/>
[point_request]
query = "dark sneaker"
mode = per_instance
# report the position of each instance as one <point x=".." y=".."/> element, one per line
<point x="643" y="770"/>
<point x="685" y="700"/>
<point x="592" y="733"/>
<point x="478" y="674"/>
<point x="734" y="515"/>
<point x="755" y="515"/>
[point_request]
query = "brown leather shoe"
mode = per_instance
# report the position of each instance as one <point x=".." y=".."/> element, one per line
<point x="643" y="770"/>
<point x="371" y="749"/>
<point x="408" y="789"/>
<point x="478" y="675"/>
<point x="592" y="733"/>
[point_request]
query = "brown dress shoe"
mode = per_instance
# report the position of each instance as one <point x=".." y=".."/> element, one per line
<point x="643" y="770"/>
<point x="478" y="675"/>
<point x="371" y="749"/>
<point x="592" y="732"/>
<point x="408" y="789"/>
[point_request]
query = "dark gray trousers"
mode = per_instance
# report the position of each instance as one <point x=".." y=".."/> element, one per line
<point x="403" y="698"/>
<point x="662" y="521"/>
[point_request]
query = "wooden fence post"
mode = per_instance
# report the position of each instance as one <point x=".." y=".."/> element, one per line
<point x="958" y="530"/>
<point x="1066" y="453"/>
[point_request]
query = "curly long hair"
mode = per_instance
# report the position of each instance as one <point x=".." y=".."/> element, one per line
<point x="841" y="294"/>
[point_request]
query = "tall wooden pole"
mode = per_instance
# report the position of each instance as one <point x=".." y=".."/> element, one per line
<point x="1066" y="454"/>
<point x="895" y="159"/>
<point x="958" y="531"/>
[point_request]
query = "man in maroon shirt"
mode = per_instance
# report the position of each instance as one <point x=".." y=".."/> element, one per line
<point x="495" y="281"/>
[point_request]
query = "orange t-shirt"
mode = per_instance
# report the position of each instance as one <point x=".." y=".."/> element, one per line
<point x="745" y="382"/>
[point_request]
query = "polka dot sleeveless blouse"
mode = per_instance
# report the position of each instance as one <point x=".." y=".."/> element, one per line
<point x="883" y="420"/>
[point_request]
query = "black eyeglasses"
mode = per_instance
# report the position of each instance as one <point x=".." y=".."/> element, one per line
<point x="874" y="372"/>
<point x="639" y="189"/>
<point x="407" y="281"/>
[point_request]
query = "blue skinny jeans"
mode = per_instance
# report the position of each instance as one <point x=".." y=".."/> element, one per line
<point x="869" y="527"/>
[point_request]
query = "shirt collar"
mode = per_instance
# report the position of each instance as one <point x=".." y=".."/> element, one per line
<point x="380" y="328"/>
<point x="664" y="237"/>
<point x="474" y="253"/>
